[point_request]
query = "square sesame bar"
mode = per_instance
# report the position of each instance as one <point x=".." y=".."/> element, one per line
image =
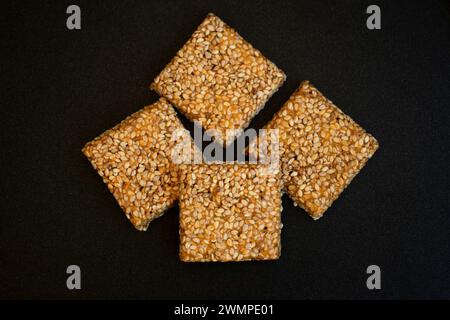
<point x="218" y="79"/>
<point x="321" y="149"/>
<point x="134" y="160"/>
<point x="229" y="212"/>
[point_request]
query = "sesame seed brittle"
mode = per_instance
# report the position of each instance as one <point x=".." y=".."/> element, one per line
<point x="219" y="79"/>
<point x="229" y="212"/>
<point x="321" y="149"/>
<point x="134" y="160"/>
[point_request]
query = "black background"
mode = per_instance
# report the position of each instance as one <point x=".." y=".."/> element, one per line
<point x="62" y="88"/>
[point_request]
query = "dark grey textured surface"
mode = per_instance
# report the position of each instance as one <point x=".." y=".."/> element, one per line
<point x="62" y="88"/>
